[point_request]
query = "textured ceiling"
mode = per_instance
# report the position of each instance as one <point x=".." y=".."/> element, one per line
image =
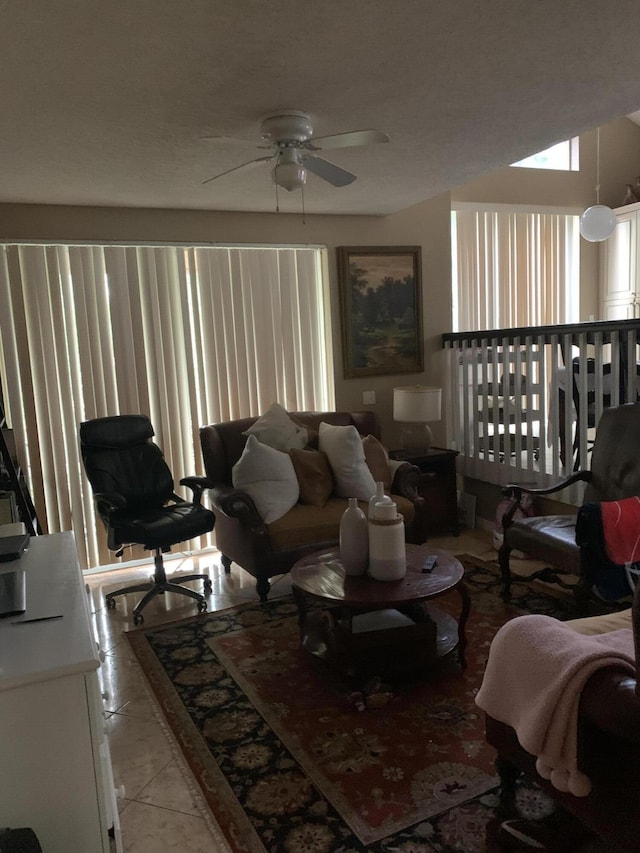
<point x="106" y="103"/>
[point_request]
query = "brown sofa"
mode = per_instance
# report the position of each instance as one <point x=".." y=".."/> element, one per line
<point x="265" y="550"/>
<point x="608" y="746"/>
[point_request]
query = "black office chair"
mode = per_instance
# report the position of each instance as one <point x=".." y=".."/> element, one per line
<point x="134" y="496"/>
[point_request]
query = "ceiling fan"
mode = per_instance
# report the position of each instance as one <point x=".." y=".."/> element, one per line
<point x="288" y="136"/>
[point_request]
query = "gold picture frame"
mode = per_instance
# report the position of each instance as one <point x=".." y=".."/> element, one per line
<point x="381" y="300"/>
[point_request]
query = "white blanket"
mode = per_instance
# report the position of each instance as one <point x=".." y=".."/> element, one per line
<point x="536" y="670"/>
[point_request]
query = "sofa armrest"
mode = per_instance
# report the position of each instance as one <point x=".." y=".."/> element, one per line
<point x="236" y="504"/>
<point x="609" y="701"/>
<point x="405" y="482"/>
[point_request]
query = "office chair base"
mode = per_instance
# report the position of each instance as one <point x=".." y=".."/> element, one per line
<point x="158" y="585"/>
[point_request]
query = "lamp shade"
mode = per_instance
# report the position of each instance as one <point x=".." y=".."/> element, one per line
<point x="597" y="223"/>
<point x="417" y="404"/>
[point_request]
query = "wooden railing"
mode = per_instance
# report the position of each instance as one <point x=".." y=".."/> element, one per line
<point x="523" y="404"/>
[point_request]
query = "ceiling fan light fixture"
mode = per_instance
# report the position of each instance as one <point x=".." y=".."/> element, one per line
<point x="288" y="134"/>
<point x="289" y="173"/>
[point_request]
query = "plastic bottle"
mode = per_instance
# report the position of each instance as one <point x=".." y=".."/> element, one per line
<point x="354" y="539"/>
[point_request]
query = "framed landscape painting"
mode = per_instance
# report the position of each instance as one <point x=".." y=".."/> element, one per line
<point x="381" y="300"/>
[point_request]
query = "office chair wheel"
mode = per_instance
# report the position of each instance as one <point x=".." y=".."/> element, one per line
<point x="202" y="607"/>
<point x="138" y="618"/>
<point x="111" y="603"/>
<point x="207" y="585"/>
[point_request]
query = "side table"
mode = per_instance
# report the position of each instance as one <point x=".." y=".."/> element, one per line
<point x="438" y="515"/>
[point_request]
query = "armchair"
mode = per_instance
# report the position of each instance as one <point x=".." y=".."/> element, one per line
<point x="134" y="497"/>
<point x="265" y="550"/>
<point x="614" y="474"/>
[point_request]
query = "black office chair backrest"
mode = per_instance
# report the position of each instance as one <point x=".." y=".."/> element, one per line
<point x="119" y="456"/>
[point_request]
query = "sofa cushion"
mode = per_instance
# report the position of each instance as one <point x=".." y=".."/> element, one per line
<point x="276" y="429"/>
<point x="377" y="460"/>
<point x="343" y="446"/>
<point x="591" y="625"/>
<point x="304" y="524"/>
<point x="314" y="476"/>
<point x="268" y="477"/>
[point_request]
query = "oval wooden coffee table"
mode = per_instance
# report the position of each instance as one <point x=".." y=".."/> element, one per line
<point x="380" y="626"/>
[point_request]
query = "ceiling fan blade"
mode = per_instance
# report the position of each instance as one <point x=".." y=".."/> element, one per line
<point x="235" y="140"/>
<point x="227" y="139"/>
<point x="345" y="140"/>
<point x="247" y="166"/>
<point x="327" y="171"/>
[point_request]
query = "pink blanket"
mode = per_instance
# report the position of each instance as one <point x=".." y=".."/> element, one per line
<point x="536" y="670"/>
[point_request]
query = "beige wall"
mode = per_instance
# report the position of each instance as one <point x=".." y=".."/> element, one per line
<point x="619" y="162"/>
<point x="426" y="225"/>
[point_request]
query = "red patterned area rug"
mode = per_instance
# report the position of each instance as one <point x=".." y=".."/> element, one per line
<point x="294" y="758"/>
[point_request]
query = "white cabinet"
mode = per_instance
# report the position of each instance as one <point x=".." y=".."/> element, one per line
<point x="621" y="273"/>
<point x="55" y="770"/>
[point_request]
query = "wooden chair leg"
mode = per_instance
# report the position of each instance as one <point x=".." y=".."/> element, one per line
<point x="505" y="569"/>
<point x="509" y="774"/>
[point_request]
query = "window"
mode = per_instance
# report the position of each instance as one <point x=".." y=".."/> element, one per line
<point x="187" y="335"/>
<point x="564" y="156"/>
<point x="514" y="267"/>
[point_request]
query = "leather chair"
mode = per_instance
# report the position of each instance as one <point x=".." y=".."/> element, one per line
<point x="135" y="499"/>
<point x="614" y="474"/>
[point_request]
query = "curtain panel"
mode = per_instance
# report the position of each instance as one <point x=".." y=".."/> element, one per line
<point x="187" y="335"/>
<point x="514" y="268"/>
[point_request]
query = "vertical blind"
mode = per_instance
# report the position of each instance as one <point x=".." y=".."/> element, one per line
<point x="514" y="268"/>
<point x="186" y="335"/>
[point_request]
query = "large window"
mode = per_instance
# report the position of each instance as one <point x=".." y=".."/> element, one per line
<point x="514" y="267"/>
<point x="186" y="335"/>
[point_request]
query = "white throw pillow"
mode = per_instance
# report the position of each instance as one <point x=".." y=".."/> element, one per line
<point x="276" y="429"/>
<point x="343" y="446"/>
<point x="268" y="477"/>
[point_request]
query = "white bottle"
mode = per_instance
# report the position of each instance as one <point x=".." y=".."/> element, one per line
<point x="378" y="496"/>
<point x="354" y="539"/>
<point x="387" y="552"/>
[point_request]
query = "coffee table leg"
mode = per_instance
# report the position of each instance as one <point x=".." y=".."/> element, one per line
<point x="462" y="623"/>
<point x="301" y="604"/>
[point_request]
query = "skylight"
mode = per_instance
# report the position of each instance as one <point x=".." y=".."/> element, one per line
<point x="563" y="157"/>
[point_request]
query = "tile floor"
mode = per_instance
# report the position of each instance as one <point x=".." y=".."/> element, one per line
<point x="161" y="809"/>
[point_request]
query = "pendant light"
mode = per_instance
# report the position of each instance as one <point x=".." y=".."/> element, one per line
<point x="597" y="223"/>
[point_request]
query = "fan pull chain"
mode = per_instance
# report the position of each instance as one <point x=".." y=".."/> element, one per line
<point x="304" y="217"/>
<point x="277" y="200"/>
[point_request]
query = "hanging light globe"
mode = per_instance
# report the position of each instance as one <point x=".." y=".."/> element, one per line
<point x="597" y="223"/>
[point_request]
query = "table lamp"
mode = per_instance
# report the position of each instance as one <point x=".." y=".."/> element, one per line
<point x="414" y="406"/>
